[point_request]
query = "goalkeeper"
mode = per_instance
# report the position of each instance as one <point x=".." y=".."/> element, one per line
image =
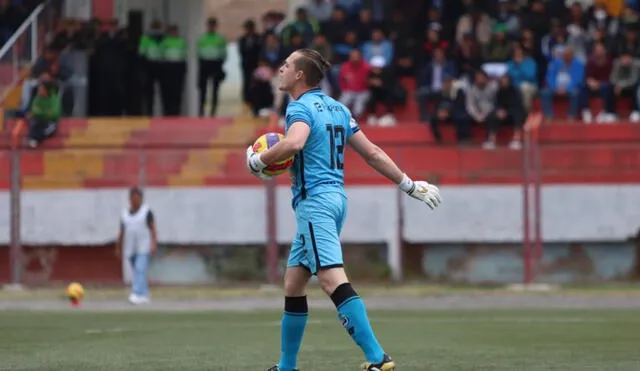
<point x="317" y="131"/>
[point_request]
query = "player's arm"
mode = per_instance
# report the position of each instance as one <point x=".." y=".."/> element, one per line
<point x="120" y="239"/>
<point x="379" y="160"/>
<point x="294" y="141"/>
<point x="151" y="223"/>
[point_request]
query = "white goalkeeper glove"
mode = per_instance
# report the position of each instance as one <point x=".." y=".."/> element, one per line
<point x="421" y="190"/>
<point x="255" y="165"/>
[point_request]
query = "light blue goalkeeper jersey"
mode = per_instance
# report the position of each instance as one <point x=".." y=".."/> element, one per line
<point x="319" y="166"/>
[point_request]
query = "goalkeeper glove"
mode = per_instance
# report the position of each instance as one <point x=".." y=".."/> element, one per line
<point x="421" y="190"/>
<point x="255" y="165"/>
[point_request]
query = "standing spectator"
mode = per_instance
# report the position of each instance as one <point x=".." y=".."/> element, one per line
<point x="261" y="90"/>
<point x="379" y="46"/>
<point x="174" y="49"/>
<point x="249" y="47"/>
<point x="522" y="71"/>
<point x="212" y="52"/>
<point x="136" y="242"/>
<point x="272" y="51"/>
<point x="431" y="80"/>
<point x="353" y="81"/>
<point x="449" y="108"/>
<point x="625" y="78"/>
<point x="151" y="52"/>
<point x="475" y="22"/>
<point x="564" y="77"/>
<point x="481" y="98"/>
<point x="319" y="10"/>
<point x="109" y="64"/>
<point x="43" y="113"/>
<point x="381" y="82"/>
<point x="598" y="72"/>
<point x="509" y="110"/>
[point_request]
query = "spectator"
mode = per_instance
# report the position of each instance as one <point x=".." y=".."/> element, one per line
<point x="351" y="7"/>
<point x="480" y="98"/>
<point x="319" y="10"/>
<point x="625" y="78"/>
<point x="509" y="110"/>
<point x="555" y="41"/>
<point x="599" y="36"/>
<point x="249" y="47"/>
<point x="261" y="89"/>
<point x="522" y="71"/>
<point x="342" y="50"/>
<point x="43" y="112"/>
<point x="598" y="72"/>
<point x="380" y="81"/>
<point x="475" y="22"/>
<point x="272" y="51"/>
<point x="401" y="34"/>
<point x="41" y="66"/>
<point x="320" y="44"/>
<point x="174" y="49"/>
<point x="577" y="31"/>
<point x="366" y="26"/>
<point x="629" y="42"/>
<point x="379" y="46"/>
<point x="508" y="18"/>
<point x="431" y="80"/>
<point x="564" y="78"/>
<point x="108" y="63"/>
<point x="353" y="80"/>
<point x="448" y="107"/>
<point x="336" y="28"/>
<point x="302" y="26"/>
<point x="536" y="19"/>
<point x="212" y="52"/>
<point x="499" y="47"/>
<point x="468" y="56"/>
<point x="151" y="54"/>
<point x="433" y="41"/>
<point x="601" y="19"/>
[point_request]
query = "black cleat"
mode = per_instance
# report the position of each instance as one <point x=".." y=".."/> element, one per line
<point x="387" y="364"/>
<point x="276" y="368"/>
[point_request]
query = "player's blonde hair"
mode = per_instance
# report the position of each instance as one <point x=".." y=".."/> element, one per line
<point x="312" y="64"/>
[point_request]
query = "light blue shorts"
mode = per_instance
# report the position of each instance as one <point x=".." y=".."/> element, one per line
<point x="319" y="221"/>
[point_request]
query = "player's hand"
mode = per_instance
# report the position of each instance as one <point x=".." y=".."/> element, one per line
<point x="421" y="190"/>
<point x="255" y="165"/>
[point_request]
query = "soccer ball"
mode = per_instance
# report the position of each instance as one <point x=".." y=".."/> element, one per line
<point x="75" y="291"/>
<point x="267" y="141"/>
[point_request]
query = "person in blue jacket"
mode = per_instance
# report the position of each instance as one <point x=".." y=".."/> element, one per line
<point x="523" y="72"/>
<point x="565" y="76"/>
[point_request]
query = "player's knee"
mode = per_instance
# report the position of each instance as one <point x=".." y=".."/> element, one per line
<point x="330" y="279"/>
<point x="292" y="288"/>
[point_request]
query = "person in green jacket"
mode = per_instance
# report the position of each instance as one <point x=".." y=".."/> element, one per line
<point x="151" y="55"/>
<point x="212" y="52"/>
<point x="43" y="114"/>
<point x="174" y="56"/>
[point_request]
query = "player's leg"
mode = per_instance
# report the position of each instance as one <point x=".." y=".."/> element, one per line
<point x="141" y="286"/>
<point x="294" y="318"/>
<point x="326" y="259"/>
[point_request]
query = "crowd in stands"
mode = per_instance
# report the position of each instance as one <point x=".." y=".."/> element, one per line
<point x="474" y="62"/>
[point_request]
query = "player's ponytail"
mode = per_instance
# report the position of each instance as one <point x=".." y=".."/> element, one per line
<point x="312" y="64"/>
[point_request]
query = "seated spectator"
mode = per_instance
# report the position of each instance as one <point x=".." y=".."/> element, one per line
<point x="629" y="42"/>
<point x="625" y="79"/>
<point x="261" y="96"/>
<point x="475" y="22"/>
<point x="43" y="113"/>
<point x="480" y="98"/>
<point x="468" y="56"/>
<point x="351" y="7"/>
<point x="379" y="46"/>
<point x="599" y="36"/>
<point x="499" y="47"/>
<point x="564" y="78"/>
<point x="329" y="83"/>
<point x="598" y="72"/>
<point x="336" y="27"/>
<point x="342" y="50"/>
<point x="319" y="10"/>
<point x="366" y="25"/>
<point x="577" y="31"/>
<point x="380" y="81"/>
<point x="353" y="80"/>
<point x="522" y="71"/>
<point x="404" y="42"/>
<point x="272" y="51"/>
<point x="601" y="19"/>
<point x="432" y="42"/>
<point x="449" y="107"/>
<point x="509" y="110"/>
<point x="302" y="26"/>
<point x="554" y="42"/>
<point x="508" y="18"/>
<point x="431" y="80"/>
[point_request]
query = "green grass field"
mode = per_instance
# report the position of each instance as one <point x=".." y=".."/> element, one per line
<point x="508" y="340"/>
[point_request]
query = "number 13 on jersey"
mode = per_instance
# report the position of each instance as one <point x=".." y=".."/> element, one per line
<point x="336" y="143"/>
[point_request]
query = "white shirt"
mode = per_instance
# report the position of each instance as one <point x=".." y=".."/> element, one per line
<point x="137" y="235"/>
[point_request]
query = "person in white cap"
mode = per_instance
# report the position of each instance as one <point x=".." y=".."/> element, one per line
<point x="380" y="82"/>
